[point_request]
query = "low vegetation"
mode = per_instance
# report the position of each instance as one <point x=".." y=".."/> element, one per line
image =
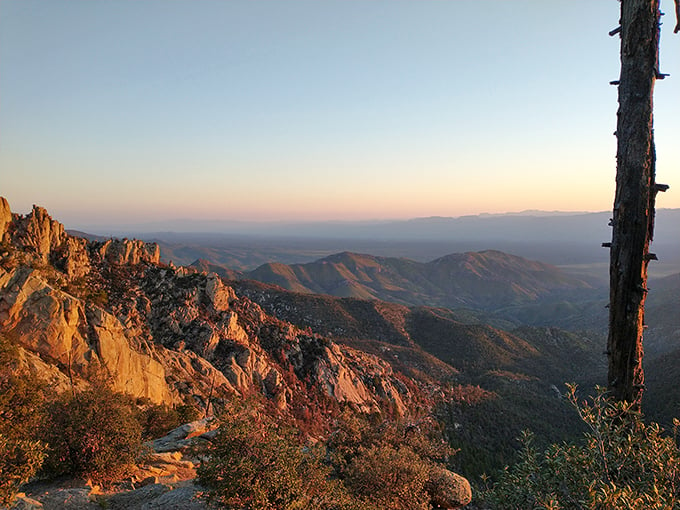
<point x="93" y="433"/>
<point x="21" y="412"/>
<point x="621" y="462"/>
<point x="257" y="463"/>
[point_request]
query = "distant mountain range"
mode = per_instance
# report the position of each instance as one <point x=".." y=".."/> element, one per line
<point x="525" y="226"/>
<point x="485" y="280"/>
<point x="564" y="239"/>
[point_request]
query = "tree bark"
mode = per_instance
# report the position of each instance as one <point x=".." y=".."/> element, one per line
<point x="633" y="220"/>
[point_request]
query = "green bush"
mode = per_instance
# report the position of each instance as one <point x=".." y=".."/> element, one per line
<point x="157" y="420"/>
<point x="620" y="463"/>
<point x="354" y="434"/>
<point x="93" y="434"/>
<point x="21" y="412"/>
<point x="186" y="413"/>
<point x="22" y="399"/>
<point x="20" y="459"/>
<point x="390" y="464"/>
<point x="388" y="477"/>
<point x="256" y="464"/>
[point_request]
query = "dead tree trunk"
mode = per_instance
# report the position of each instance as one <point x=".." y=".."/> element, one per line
<point x="633" y="220"/>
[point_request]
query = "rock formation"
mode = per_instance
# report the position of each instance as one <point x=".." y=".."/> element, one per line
<point x="125" y="251"/>
<point x="164" y="333"/>
<point x="5" y="217"/>
<point x="37" y="232"/>
<point x="56" y="327"/>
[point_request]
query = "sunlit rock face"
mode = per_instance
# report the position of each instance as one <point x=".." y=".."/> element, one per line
<point x="37" y="233"/>
<point x="58" y="328"/>
<point x="126" y="251"/>
<point x="132" y="373"/>
<point x="42" y="319"/>
<point x="5" y="217"/>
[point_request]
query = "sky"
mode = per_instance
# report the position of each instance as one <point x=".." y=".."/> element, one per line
<point x="132" y="111"/>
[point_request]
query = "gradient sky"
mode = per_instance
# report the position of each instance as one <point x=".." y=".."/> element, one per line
<point x="139" y="110"/>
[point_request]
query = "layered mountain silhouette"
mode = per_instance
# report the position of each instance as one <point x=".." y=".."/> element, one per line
<point x="487" y="280"/>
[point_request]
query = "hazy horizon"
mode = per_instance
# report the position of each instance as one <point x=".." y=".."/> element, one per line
<point x="175" y="225"/>
<point x="121" y="112"/>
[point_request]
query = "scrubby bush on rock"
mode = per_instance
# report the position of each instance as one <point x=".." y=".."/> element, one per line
<point x="21" y="410"/>
<point x="20" y="459"/>
<point x="93" y="434"/>
<point x="389" y="477"/>
<point x="396" y="464"/>
<point x="258" y="464"/>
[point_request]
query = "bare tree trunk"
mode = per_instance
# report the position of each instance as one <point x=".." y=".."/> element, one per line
<point x="633" y="220"/>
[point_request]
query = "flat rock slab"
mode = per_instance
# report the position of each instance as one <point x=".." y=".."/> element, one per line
<point x="157" y="497"/>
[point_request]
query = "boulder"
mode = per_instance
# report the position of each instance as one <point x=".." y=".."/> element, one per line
<point x="448" y="490"/>
<point x="181" y="437"/>
<point x="219" y="295"/>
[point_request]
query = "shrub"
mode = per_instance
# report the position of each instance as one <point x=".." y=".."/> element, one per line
<point x="187" y="413"/>
<point x="390" y="464"/>
<point x="157" y="420"/>
<point x="355" y="434"/>
<point x="20" y="459"/>
<point x="21" y="411"/>
<point x="22" y="398"/>
<point x="257" y="464"/>
<point x="93" y="434"/>
<point x="620" y="463"/>
<point x="388" y="477"/>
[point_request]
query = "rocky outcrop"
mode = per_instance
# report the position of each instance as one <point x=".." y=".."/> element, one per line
<point x="37" y="232"/>
<point x="357" y="378"/>
<point x="5" y="217"/>
<point x="126" y="251"/>
<point x="131" y="372"/>
<point x="218" y="294"/>
<point x="45" y="239"/>
<point x="190" y="375"/>
<point x="73" y="257"/>
<point x="42" y="319"/>
<point x="56" y="380"/>
<point x="56" y="327"/>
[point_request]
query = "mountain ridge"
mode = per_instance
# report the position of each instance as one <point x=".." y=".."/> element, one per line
<point x="486" y="280"/>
